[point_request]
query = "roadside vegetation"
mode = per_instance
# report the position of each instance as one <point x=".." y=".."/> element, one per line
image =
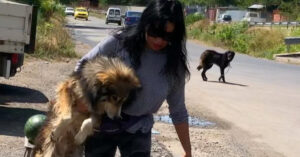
<point x="52" y="38"/>
<point x="255" y="41"/>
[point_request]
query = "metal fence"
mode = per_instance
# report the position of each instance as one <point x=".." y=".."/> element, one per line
<point x="276" y="24"/>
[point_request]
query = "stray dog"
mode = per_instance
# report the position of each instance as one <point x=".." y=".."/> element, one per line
<point x="210" y="57"/>
<point x="103" y="84"/>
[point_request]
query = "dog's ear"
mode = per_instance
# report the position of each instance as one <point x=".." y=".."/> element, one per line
<point x="135" y="83"/>
<point x="103" y="78"/>
<point x="230" y="55"/>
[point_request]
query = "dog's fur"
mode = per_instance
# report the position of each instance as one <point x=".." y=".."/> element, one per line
<point x="103" y="84"/>
<point x="210" y="57"/>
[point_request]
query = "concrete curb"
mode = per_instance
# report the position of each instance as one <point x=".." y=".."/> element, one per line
<point x="292" y="58"/>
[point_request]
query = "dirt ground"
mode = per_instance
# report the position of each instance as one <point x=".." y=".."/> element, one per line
<point x="29" y="91"/>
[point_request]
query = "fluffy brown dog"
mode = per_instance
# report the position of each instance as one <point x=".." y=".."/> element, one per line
<point x="210" y="57"/>
<point x="103" y="85"/>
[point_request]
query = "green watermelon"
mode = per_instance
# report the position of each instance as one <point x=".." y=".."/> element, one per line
<point x="33" y="125"/>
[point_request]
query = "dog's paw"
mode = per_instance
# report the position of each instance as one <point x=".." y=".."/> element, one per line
<point x="80" y="138"/>
<point x="221" y="79"/>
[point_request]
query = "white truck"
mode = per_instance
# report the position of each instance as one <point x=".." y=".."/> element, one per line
<point x="253" y="17"/>
<point x="17" y="35"/>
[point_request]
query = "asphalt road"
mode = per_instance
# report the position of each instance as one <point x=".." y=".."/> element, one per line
<point x="261" y="98"/>
<point x="92" y="31"/>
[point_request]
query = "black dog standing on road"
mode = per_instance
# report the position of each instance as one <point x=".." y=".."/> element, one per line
<point x="210" y="57"/>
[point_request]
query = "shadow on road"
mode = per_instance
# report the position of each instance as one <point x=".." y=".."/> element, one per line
<point x="9" y="93"/>
<point x="229" y="83"/>
<point x="87" y="27"/>
<point x="12" y="120"/>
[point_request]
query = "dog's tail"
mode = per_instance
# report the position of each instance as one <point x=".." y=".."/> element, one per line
<point x="199" y="67"/>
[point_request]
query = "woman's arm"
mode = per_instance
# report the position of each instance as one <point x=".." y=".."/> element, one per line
<point x="179" y="114"/>
<point x="107" y="47"/>
<point x="182" y="130"/>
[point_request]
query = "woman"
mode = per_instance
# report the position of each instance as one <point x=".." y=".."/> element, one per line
<point x="156" y="49"/>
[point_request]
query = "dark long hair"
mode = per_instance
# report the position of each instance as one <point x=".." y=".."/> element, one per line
<point x="158" y="13"/>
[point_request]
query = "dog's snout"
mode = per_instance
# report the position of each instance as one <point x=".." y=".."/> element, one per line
<point x="115" y="117"/>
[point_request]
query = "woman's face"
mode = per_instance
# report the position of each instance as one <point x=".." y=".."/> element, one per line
<point x="157" y="41"/>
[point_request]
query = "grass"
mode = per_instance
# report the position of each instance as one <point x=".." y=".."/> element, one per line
<point x="53" y="40"/>
<point x="261" y="42"/>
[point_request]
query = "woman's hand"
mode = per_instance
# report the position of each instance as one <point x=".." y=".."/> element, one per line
<point x="188" y="155"/>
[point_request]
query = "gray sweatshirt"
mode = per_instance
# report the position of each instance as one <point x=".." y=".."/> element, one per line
<point x="155" y="86"/>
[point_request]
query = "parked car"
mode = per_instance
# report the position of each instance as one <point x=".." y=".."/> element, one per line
<point x="225" y="18"/>
<point x="132" y="17"/>
<point x="81" y="13"/>
<point x="113" y="15"/>
<point x="69" y="11"/>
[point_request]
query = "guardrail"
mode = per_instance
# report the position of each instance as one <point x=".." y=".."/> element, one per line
<point x="271" y="24"/>
<point x="291" y="40"/>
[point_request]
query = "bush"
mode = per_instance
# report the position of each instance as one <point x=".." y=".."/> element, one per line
<point x="53" y="40"/>
<point x="241" y="43"/>
<point x="263" y="40"/>
<point x="255" y="41"/>
<point x="48" y="7"/>
<point x="192" y="18"/>
<point x="229" y="32"/>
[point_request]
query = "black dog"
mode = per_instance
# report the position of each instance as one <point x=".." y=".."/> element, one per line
<point x="210" y="57"/>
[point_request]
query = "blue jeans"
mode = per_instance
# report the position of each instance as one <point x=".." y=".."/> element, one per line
<point x="130" y="145"/>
